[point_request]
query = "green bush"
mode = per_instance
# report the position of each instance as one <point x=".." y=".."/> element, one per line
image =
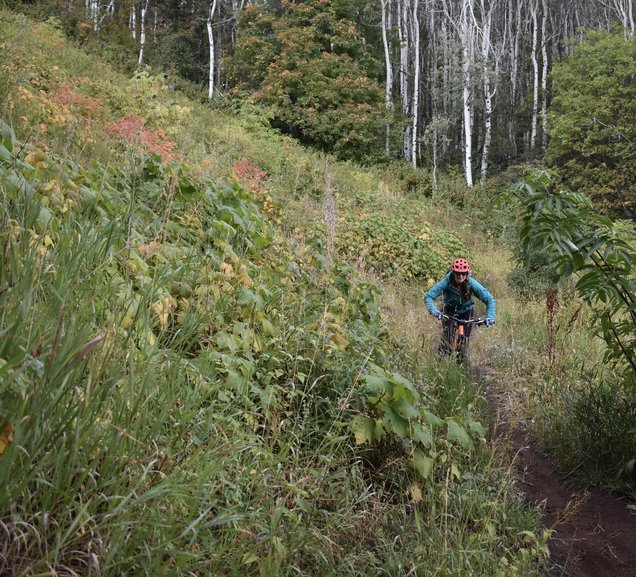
<point x="591" y="430"/>
<point x="592" y="128"/>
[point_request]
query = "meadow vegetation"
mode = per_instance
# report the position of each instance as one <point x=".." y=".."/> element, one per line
<point x="213" y="353"/>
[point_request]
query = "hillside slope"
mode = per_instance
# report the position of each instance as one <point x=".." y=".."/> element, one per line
<point x="192" y="381"/>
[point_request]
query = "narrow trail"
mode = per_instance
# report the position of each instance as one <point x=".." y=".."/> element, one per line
<point x="594" y="532"/>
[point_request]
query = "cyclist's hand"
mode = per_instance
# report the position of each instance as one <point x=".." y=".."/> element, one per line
<point x="490" y="322"/>
<point x="437" y="315"/>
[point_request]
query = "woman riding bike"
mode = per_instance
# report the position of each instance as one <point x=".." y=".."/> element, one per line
<point x="457" y="289"/>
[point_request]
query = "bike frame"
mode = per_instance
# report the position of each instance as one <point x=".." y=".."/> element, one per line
<point x="455" y="339"/>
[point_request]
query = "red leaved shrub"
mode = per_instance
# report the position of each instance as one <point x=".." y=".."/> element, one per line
<point x="249" y="174"/>
<point x="132" y="131"/>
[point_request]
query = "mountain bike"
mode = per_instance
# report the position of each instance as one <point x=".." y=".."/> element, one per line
<point x="456" y="337"/>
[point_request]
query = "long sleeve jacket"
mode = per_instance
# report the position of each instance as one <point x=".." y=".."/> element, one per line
<point x="453" y="298"/>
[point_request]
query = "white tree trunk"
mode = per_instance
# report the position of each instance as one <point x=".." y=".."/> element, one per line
<point x="142" y="32"/>
<point x="488" y="93"/>
<point x="211" y="44"/>
<point x="514" y="9"/>
<point x="433" y="125"/>
<point x="624" y="10"/>
<point x="94" y="14"/>
<point x="403" y="32"/>
<point x="467" y="39"/>
<point x="415" y="106"/>
<point x="535" y="72"/>
<point x="544" y="76"/>
<point x="132" y="21"/>
<point x="388" y="90"/>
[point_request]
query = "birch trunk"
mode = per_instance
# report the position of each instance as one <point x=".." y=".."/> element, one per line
<point x="415" y="105"/>
<point x="624" y="10"/>
<point x="132" y="21"/>
<point x="94" y="14"/>
<point x="466" y="35"/>
<point x="515" y="34"/>
<point x="388" y="90"/>
<point x="142" y="32"/>
<point x="433" y="125"/>
<point x="211" y="45"/>
<point x="544" y="76"/>
<point x="488" y="93"/>
<point x="535" y="72"/>
<point x="403" y="32"/>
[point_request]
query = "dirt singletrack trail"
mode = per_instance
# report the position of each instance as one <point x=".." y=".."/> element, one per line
<point x="594" y="532"/>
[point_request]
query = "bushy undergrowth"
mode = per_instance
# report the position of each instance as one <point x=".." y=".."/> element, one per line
<point x="184" y="391"/>
<point x="395" y="243"/>
<point x="180" y="394"/>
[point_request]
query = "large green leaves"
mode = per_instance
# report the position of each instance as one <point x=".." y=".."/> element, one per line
<point x="395" y="410"/>
<point x="564" y="227"/>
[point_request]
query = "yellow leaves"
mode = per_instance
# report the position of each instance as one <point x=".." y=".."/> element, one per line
<point x="62" y="119"/>
<point x="137" y="265"/>
<point x="244" y="278"/>
<point x="416" y="492"/>
<point x="150" y="248"/>
<point x="40" y="244"/>
<point x="227" y="269"/>
<point x="190" y="219"/>
<point x="51" y="185"/>
<point x="163" y="308"/>
<point x="37" y="159"/>
<point x="25" y="94"/>
<point x="334" y="333"/>
<point x="127" y="320"/>
<point x="6" y="437"/>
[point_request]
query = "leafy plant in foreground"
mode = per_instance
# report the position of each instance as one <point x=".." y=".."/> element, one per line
<point x="564" y="226"/>
<point x="599" y="255"/>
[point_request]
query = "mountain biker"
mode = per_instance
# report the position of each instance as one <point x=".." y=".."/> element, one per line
<point x="457" y="289"/>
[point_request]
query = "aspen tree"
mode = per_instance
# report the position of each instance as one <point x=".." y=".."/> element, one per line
<point x="403" y="32"/>
<point x="467" y="35"/>
<point x="544" y="76"/>
<point x="388" y="92"/>
<point x="416" y="83"/>
<point x="142" y="32"/>
<point x="132" y="21"/>
<point x="211" y="13"/>
<point x="534" y="8"/>
<point x="489" y="93"/>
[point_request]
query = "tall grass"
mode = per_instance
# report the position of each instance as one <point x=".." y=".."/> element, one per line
<point x="182" y="407"/>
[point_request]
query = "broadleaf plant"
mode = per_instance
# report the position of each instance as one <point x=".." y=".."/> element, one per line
<point x="596" y="251"/>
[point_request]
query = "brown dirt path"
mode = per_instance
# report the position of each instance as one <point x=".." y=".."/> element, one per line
<point x="594" y="532"/>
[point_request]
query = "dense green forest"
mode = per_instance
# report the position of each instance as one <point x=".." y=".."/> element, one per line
<point x="214" y="358"/>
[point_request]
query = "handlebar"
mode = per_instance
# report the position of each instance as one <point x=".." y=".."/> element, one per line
<point x="477" y="321"/>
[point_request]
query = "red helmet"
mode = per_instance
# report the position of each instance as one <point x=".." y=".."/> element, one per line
<point x="460" y="265"/>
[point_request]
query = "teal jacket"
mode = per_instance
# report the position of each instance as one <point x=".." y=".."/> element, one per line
<point x="456" y="299"/>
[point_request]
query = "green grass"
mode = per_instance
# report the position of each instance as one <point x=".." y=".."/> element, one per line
<point x="184" y="407"/>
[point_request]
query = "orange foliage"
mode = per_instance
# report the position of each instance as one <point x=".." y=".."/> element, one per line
<point x="132" y="131"/>
<point x="249" y="174"/>
<point x="86" y="105"/>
